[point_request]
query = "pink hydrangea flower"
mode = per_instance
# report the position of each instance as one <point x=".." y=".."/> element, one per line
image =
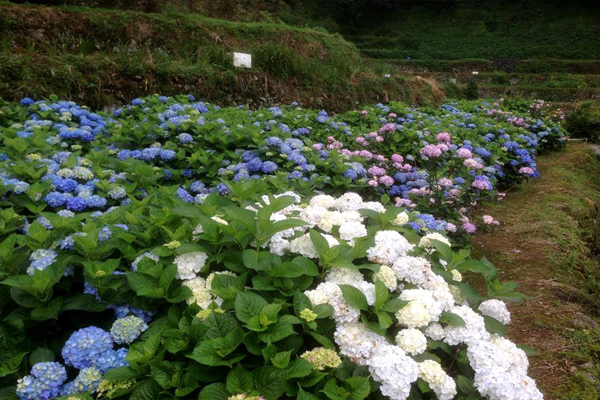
<point x="464" y="153"/>
<point x="445" y="182"/>
<point x="376" y="171"/>
<point x="450" y="227"/>
<point x="526" y="171"/>
<point x="317" y="146"/>
<point x="387" y="128"/>
<point x="443" y="137"/>
<point x="397" y="158"/>
<point x="379" y="139"/>
<point x="364" y="112"/>
<point x="373" y="134"/>
<point x="360" y="139"/>
<point x="470" y="163"/>
<point x="386" y="180"/>
<point x="393" y="115"/>
<point x="431" y="151"/>
<point x="488" y="219"/>
<point x="469" y="227"/>
<point x="373" y="183"/>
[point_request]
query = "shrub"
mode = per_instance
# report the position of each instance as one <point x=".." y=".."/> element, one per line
<point x="584" y="122"/>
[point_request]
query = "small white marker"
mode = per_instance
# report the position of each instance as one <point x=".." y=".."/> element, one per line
<point x="475" y="72"/>
<point x="242" y="60"/>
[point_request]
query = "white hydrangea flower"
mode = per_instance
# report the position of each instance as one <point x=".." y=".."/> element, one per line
<point x="389" y="246"/>
<point x="322" y="200"/>
<point x="331" y="219"/>
<point x="304" y="246"/>
<point x="394" y="370"/>
<point x="353" y="216"/>
<point x="387" y="276"/>
<point x="344" y="276"/>
<point x="435" y="331"/>
<point x="323" y="293"/>
<point x="278" y="245"/>
<point x="201" y="295"/>
<point x="426" y="243"/>
<point x="495" y="309"/>
<point x="473" y="331"/>
<point x="350" y="230"/>
<point x="373" y="206"/>
<point x="189" y="264"/>
<point x="421" y="309"/>
<point x="442" y="384"/>
<point x="412" y="341"/>
<point x="456" y="275"/>
<point x="348" y="202"/>
<point x="497" y="353"/>
<point x="401" y="219"/>
<point x="441" y="291"/>
<point x="499" y="385"/>
<point x="357" y="342"/>
<point x="413" y="270"/>
<point x="313" y="214"/>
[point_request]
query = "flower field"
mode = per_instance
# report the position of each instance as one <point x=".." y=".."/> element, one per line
<point x="176" y="249"/>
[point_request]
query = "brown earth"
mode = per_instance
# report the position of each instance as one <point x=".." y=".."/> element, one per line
<point x="540" y="220"/>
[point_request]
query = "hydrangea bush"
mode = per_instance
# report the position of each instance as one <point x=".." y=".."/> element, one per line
<point x="143" y="254"/>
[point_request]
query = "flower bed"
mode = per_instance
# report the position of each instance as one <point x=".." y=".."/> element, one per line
<point x="143" y="253"/>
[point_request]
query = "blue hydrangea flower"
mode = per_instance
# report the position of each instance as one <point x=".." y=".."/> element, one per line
<point x="111" y="359"/>
<point x="86" y="345"/>
<point x="76" y="204"/>
<point x="41" y="259"/>
<point x="87" y="381"/>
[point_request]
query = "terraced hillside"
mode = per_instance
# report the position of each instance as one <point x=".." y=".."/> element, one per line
<point x="102" y="56"/>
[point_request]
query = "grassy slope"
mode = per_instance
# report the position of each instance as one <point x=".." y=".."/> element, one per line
<point x="102" y="57"/>
<point x="549" y="241"/>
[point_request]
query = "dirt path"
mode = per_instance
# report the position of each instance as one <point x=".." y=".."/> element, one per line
<point x="542" y="244"/>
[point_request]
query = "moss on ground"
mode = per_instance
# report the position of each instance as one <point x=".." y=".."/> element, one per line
<point x="549" y="242"/>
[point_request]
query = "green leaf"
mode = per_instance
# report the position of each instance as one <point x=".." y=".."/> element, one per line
<point x="281" y="360"/>
<point x="270" y="382"/>
<point x="83" y="302"/>
<point x="444" y="250"/>
<point x="144" y="285"/>
<point x="239" y="381"/>
<point x="50" y="311"/>
<point x="452" y="319"/>
<point x="530" y="351"/>
<point x="478" y="267"/>
<point x="247" y="305"/>
<point x="465" y="385"/>
<point x="354" y="297"/>
<point x="492" y="325"/>
<point x="41" y="354"/>
<point x="256" y="260"/>
<point x="299" y="368"/>
<point x="302" y="395"/>
<point x="359" y="387"/>
<point x="322" y="340"/>
<point x="277" y="332"/>
<point x="323" y="310"/>
<point x="385" y="320"/>
<point x="146" y="390"/>
<point x="12" y="365"/>
<point x="381" y="294"/>
<point x="214" y="391"/>
<point x="394" y="305"/>
<point x="321" y="244"/>
<point x="120" y="374"/>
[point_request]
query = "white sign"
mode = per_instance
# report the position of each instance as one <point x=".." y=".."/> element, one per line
<point x="475" y="72"/>
<point x="242" y="60"/>
<point x="387" y="75"/>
